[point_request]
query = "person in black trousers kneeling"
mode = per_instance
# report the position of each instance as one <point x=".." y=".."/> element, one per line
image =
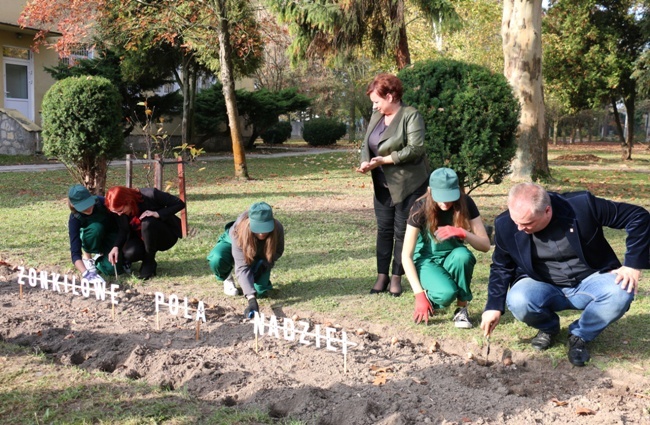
<point x="147" y="224"/>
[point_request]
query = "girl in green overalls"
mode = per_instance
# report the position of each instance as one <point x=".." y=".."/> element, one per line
<point x="91" y="229"/>
<point x="249" y="247"/>
<point x="436" y="261"/>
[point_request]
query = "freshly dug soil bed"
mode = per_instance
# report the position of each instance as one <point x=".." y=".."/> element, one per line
<point x="384" y="379"/>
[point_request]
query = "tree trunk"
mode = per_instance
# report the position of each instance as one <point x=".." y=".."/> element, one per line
<point x="194" y="77"/>
<point x="185" y="89"/>
<point x="402" y="53"/>
<point x="253" y="137"/>
<point x="228" y="82"/>
<point x="617" y="120"/>
<point x="352" y="132"/>
<point x="92" y="172"/>
<point x="629" y="106"/>
<point x="521" y="29"/>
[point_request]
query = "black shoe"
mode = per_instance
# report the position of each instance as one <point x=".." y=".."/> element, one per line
<point x="395" y="285"/>
<point x="381" y="284"/>
<point x="578" y="353"/>
<point x="542" y="340"/>
<point x="148" y="269"/>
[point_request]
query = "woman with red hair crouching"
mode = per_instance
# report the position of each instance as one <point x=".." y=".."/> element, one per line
<point x="147" y="224"/>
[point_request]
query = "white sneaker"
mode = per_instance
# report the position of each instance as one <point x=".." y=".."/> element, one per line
<point x="229" y="287"/>
<point x="461" y="318"/>
<point x="89" y="263"/>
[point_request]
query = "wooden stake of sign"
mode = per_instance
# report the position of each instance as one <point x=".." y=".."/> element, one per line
<point x="157" y="320"/>
<point x="21" y="291"/>
<point x="117" y="282"/>
<point x="198" y="329"/>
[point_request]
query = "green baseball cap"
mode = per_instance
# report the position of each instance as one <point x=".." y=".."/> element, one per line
<point x="261" y="219"/>
<point x="80" y="197"/>
<point x="444" y="185"/>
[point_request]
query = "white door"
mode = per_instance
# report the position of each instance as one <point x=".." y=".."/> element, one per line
<point x="18" y="86"/>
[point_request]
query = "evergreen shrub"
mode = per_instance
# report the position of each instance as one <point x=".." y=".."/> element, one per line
<point x="471" y="117"/>
<point x="278" y="133"/>
<point x="82" y="127"/>
<point x="323" y="131"/>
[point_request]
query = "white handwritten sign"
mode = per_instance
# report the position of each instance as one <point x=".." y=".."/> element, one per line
<point x="175" y="307"/>
<point x="291" y="330"/>
<point x="52" y="282"/>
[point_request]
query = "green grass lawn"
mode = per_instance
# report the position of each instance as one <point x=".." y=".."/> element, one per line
<point x="328" y="266"/>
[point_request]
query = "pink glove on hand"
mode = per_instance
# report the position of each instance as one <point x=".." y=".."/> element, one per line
<point x="446" y="232"/>
<point x="423" y="308"/>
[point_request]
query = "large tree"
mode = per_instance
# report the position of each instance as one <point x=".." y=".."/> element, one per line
<point x="333" y="28"/>
<point x="214" y="32"/>
<point x="593" y="46"/>
<point x="521" y="32"/>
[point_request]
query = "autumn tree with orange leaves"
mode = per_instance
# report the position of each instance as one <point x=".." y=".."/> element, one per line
<point x="220" y="34"/>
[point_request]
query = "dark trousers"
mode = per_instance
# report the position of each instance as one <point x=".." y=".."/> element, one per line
<point x="391" y="227"/>
<point x="157" y="235"/>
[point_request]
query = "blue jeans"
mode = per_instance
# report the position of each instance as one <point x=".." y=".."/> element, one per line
<point x="602" y="300"/>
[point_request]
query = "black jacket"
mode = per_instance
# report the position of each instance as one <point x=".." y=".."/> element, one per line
<point x="584" y="215"/>
<point x="165" y="204"/>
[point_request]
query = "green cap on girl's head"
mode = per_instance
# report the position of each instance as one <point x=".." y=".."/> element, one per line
<point x="444" y="185"/>
<point x="80" y="198"/>
<point x="261" y="218"/>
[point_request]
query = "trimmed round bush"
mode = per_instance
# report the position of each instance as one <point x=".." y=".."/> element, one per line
<point x="82" y="126"/>
<point x="277" y="133"/>
<point x="471" y="118"/>
<point x="323" y="131"/>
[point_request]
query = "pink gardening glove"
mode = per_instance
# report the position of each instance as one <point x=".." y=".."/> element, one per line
<point x="423" y="308"/>
<point x="446" y="232"/>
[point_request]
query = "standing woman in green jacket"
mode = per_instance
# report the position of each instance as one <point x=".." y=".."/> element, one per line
<point x="393" y="151"/>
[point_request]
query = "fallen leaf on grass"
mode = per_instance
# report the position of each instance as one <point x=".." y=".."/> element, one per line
<point x="558" y="402"/>
<point x="69" y="336"/>
<point x="466" y="419"/>
<point x="583" y="411"/>
<point x="418" y="381"/>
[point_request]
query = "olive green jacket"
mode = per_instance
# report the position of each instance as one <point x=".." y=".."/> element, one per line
<point x="403" y="140"/>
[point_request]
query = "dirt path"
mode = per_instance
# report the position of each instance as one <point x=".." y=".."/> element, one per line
<point x="382" y="380"/>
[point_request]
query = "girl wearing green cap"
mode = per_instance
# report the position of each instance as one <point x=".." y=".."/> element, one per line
<point x="436" y="260"/>
<point x="91" y="229"/>
<point x="251" y="245"/>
